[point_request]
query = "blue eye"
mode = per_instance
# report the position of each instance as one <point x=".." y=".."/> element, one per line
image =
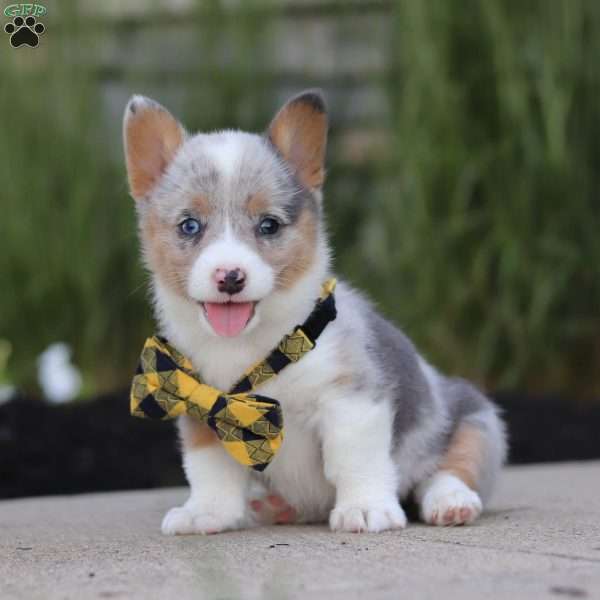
<point x="268" y="226"/>
<point x="190" y="227"/>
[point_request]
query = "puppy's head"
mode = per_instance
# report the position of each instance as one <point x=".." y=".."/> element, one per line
<point x="228" y="219"/>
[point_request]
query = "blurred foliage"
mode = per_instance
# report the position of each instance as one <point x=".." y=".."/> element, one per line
<point x="68" y="259"/>
<point x="493" y="234"/>
<point x="475" y="226"/>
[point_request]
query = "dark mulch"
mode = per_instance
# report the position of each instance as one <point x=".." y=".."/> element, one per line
<point x="550" y="429"/>
<point x="82" y="447"/>
<point x="97" y="446"/>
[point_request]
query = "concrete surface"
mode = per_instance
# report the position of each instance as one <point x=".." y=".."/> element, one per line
<point x="540" y="539"/>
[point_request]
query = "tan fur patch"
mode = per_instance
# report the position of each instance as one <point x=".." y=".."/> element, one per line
<point x="299" y="255"/>
<point x="195" y="434"/>
<point x="152" y="136"/>
<point x="164" y="257"/>
<point x="202" y="206"/>
<point x="299" y="131"/>
<point x="258" y="204"/>
<point x="344" y="380"/>
<point x="464" y="457"/>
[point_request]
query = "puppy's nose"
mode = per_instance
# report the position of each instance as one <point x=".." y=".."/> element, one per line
<point x="230" y="281"/>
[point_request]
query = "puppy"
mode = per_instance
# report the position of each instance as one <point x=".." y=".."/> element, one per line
<point x="232" y="232"/>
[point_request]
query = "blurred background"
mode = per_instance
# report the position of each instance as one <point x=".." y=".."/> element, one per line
<point x="462" y="194"/>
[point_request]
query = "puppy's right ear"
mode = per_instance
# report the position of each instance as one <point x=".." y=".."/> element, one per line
<point x="299" y="132"/>
<point x="151" y="136"/>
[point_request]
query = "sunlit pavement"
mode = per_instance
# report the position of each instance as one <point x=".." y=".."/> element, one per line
<point x="540" y="539"/>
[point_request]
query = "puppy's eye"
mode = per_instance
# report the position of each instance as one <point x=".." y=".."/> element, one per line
<point x="190" y="227"/>
<point x="268" y="226"/>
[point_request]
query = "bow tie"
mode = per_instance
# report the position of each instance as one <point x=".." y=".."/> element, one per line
<point x="249" y="426"/>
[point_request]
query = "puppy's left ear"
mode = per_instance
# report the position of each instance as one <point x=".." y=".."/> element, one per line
<point x="151" y="137"/>
<point x="299" y="132"/>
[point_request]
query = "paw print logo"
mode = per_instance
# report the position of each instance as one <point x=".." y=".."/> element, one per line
<point x="24" y="32"/>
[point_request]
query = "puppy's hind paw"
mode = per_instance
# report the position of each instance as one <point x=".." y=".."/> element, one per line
<point x="370" y="518"/>
<point x="273" y="509"/>
<point x="450" y="502"/>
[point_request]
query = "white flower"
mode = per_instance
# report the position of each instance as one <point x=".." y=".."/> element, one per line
<point x="59" y="379"/>
<point x="7" y="393"/>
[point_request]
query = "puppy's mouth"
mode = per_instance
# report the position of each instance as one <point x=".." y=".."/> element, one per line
<point x="228" y="319"/>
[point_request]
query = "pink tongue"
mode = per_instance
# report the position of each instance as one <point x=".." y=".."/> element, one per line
<point x="228" y="319"/>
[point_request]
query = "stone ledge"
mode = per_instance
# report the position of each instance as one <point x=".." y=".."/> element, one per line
<point x="540" y="539"/>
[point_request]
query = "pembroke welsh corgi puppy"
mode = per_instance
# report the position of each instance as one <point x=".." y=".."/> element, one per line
<point x="233" y="234"/>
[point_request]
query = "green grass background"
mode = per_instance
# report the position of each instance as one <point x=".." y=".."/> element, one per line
<point x="475" y="226"/>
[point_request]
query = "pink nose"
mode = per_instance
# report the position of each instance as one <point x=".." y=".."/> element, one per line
<point x="230" y="281"/>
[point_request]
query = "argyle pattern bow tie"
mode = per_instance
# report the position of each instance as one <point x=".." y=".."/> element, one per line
<point x="249" y="426"/>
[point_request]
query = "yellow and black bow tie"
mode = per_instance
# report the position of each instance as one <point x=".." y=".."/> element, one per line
<point x="249" y="426"/>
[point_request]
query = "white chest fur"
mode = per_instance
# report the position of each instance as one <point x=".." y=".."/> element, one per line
<point x="297" y="472"/>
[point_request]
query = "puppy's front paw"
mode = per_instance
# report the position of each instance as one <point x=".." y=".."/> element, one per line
<point x="186" y="520"/>
<point x="450" y="503"/>
<point x="370" y="518"/>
